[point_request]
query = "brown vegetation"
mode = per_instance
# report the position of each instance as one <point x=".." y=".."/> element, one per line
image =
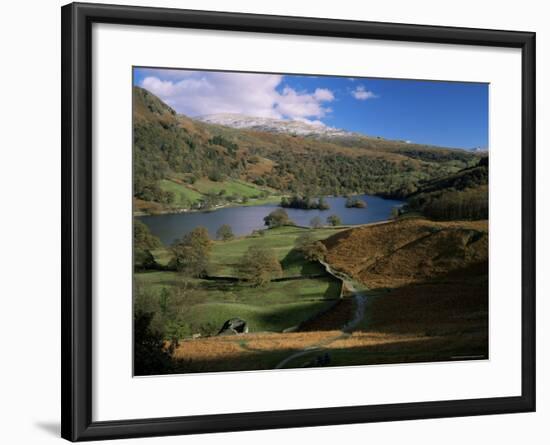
<point x="266" y="350"/>
<point x="427" y="279"/>
<point x="407" y="251"/>
<point x="148" y="207"/>
<point x="429" y="302"/>
<point x="455" y="304"/>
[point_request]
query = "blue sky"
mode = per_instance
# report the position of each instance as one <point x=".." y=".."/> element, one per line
<point x="451" y="114"/>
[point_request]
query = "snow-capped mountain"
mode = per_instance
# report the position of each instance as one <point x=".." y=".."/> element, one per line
<point x="271" y="125"/>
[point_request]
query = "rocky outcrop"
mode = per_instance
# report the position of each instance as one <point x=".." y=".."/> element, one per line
<point x="234" y="326"/>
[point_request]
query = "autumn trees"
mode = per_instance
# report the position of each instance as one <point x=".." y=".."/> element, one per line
<point x="225" y="233"/>
<point x="191" y="253"/>
<point x="355" y="203"/>
<point x="277" y="218"/>
<point x="258" y="266"/>
<point x="144" y="242"/>
<point x="305" y="202"/>
<point x="334" y="220"/>
<point x="309" y="247"/>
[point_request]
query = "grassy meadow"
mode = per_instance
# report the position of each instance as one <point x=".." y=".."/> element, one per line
<point x="429" y="311"/>
<point x="205" y="193"/>
<point x="226" y="254"/>
<point x="183" y="196"/>
<point x="203" y="305"/>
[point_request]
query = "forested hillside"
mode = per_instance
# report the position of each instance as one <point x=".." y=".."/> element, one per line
<point x="463" y="195"/>
<point x="167" y="145"/>
<point x="184" y="163"/>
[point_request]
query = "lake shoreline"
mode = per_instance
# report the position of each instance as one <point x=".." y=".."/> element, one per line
<point x="265" y="201"/>
<point x="244" y="220"/>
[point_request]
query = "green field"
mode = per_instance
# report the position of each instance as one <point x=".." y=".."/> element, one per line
<point x="226" y="254"/>
<point x="231" y="187"/>
<point x="275" y="307"/>
<point x="202" y="306"/>
<point x="272" y="199"/>
<point x="183" y="196"/>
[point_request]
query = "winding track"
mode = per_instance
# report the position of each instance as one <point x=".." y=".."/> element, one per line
<point x="358" y="315"/>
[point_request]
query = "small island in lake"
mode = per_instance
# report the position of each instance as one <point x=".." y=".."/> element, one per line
<point x="355" y="203"/>
<point x="305" y="203"/>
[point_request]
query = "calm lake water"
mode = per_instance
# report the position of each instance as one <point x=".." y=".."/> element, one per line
<point x="243" y="220"/>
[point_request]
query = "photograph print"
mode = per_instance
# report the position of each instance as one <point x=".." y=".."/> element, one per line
<point x="285" y="221"/>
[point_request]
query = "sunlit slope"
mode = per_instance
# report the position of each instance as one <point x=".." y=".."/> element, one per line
<point x="428" y="278"/>
<point x="408" y="251"/>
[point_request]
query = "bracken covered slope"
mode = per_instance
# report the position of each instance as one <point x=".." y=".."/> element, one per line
<point x="427" y="278"/>
<point x="408" y="251"/>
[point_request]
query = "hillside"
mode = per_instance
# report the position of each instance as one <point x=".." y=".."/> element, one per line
<point x="471" y="177"/>
<point x="406" y="251"/>
<point x="428" y="278"/>
<point x="173" y="152"/>
<point x="461" y="195"/>
<point x="427" y="300"/>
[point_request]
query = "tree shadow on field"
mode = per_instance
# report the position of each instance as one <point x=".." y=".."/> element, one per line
<point x="283" y="317"/>
<point x="295" y="259"/>
<point x="333" y="289"/>
<point x="219" y="285"/>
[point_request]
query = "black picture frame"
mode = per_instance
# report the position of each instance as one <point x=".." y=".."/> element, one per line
<point x="76" y="418"/>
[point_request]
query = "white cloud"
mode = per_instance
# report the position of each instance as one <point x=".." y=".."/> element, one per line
<point x="294" y="105"/>
<point x="324" y="94"/>
<point x="196" y="93"/>
<point x="168" y="89"/>
<point x="166" y="73"/>
<point x="361" y="93"/>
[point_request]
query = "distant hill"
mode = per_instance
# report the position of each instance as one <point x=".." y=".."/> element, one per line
<point x="172" y="152"/>
<point x="293" y="127"/>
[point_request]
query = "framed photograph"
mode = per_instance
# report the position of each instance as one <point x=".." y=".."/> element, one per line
<point x="275" y="222"/>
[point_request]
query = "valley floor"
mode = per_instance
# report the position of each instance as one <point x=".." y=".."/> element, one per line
<point x="423" y="289"/>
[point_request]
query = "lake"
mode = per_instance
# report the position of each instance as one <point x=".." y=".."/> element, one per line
<point x="243" y="220"/>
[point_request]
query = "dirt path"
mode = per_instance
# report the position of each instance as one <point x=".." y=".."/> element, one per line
<point x="360" y="303"/>
<point x="360" y="300"/>
<point x="306" y="351"/>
